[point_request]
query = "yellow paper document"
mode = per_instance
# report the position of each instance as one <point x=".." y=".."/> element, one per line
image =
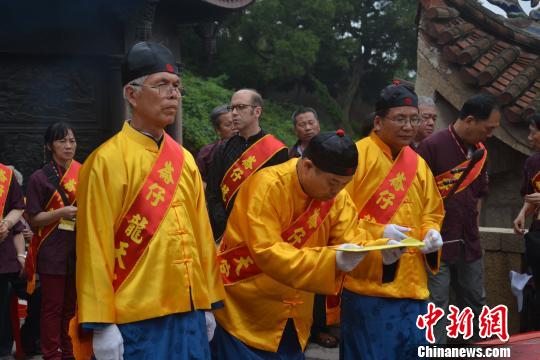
<point x="408" y="242"/>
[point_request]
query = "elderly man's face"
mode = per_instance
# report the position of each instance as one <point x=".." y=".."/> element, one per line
<point x="398" y="128"/>
<point x="306" y="126"/>
<point x="428" y="117"/>
<point x="158" y="99"/>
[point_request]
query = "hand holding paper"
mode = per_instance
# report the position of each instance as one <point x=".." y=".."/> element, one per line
<point x="395" y="232"/>
<point x="432" y="242"/>
<point x="392" y="255"/>
<point x="348" y="260"/>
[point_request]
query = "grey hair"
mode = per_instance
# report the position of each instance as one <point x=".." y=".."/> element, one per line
<point x="425" y="101"/>
<point x="138" y="81"/>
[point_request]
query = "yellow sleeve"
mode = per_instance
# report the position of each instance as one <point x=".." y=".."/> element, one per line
<point x="98" y="206"/>
<point x="205" y="242"/>
<point x="432" y="216"/>
<point x="308" y="268"/>
<point x="347" y="228"/>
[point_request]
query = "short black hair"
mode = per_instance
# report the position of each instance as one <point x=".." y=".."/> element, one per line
<point x="216" y="113"/>
<point x="479" y="106"/>
<point x="57" y="131"/>
<point x="534" y="120"/>
<point x="368" y="125"/>
<point x="303" y="110"/>
<point x="381" y="113"/>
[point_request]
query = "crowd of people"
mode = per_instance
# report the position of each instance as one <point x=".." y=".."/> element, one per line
<point x="251" y="249"/>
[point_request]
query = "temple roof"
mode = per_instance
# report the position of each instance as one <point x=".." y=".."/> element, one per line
<point x="494" y="54"/>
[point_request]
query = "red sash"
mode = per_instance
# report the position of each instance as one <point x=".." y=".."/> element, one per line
<point x="535" y="181"/>
<point x="236" y="264"/>
<point x="391" y="192"/>
<point x="6" y="174"/>
<point x="69" y="184"/>
<point x="141" y="222"/>
<point x="381" y="206"/>
<point x="446" y="180"/>
<point x="248" y="163"/>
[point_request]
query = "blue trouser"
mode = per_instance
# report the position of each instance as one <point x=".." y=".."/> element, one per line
<point x="178" y="336"/>
<point x="227" y="347"/>
<point x="380" y="328"/>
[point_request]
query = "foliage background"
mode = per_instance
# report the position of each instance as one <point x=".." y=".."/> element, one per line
<point x="202" y="95"/>
<point x="333" y="55"/>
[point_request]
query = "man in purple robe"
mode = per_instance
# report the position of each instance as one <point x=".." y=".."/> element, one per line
<point x="445" y="152"/>
<point x="221" y="119"/>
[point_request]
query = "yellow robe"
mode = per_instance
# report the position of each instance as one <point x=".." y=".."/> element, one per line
<point x="421" y="210"/>
<point x="179" y="262"/>
<point x="256" y="309"/>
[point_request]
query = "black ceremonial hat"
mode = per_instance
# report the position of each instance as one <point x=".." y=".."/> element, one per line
<point x="396" y="95"/>
<point x="147" y="58"/>
<point x="333" y="152"/>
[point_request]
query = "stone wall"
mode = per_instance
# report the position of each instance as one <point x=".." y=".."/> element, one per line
<point x="503" y="252"/>
<point x="39" y="90"/>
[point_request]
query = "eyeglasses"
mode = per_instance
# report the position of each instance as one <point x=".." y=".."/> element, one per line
<point x="239" y="107"/>
<point x="402" y="120"/>
<point x="165" y="89"/>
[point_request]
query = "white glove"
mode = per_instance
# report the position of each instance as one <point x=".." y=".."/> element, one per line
<point x="432" y="242"/>
<point x="108" y="343"/>
<point x="396" y="232"/>
<point x="210" y="324"/>
<point x="390" y="256"/>
<point x="347" y="261"/>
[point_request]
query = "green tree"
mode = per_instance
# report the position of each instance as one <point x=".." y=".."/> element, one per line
<point x="342" y="51"/>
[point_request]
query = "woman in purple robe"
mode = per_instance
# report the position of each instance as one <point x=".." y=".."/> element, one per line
<point x="56" y="255"/>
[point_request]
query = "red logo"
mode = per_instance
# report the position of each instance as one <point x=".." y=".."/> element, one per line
<point x="460" y="322"/>
<point x="170" y="68"/>
<point x="407" y="101"/>
<point x="429" y="320"/>
<point x="494" y="322"/>
<point x="491" y="322"/>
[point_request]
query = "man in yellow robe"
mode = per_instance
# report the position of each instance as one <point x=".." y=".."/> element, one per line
<point x="268" y="311"/>
<point x="161" y="307"/>
<point x="396" y="196"/>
